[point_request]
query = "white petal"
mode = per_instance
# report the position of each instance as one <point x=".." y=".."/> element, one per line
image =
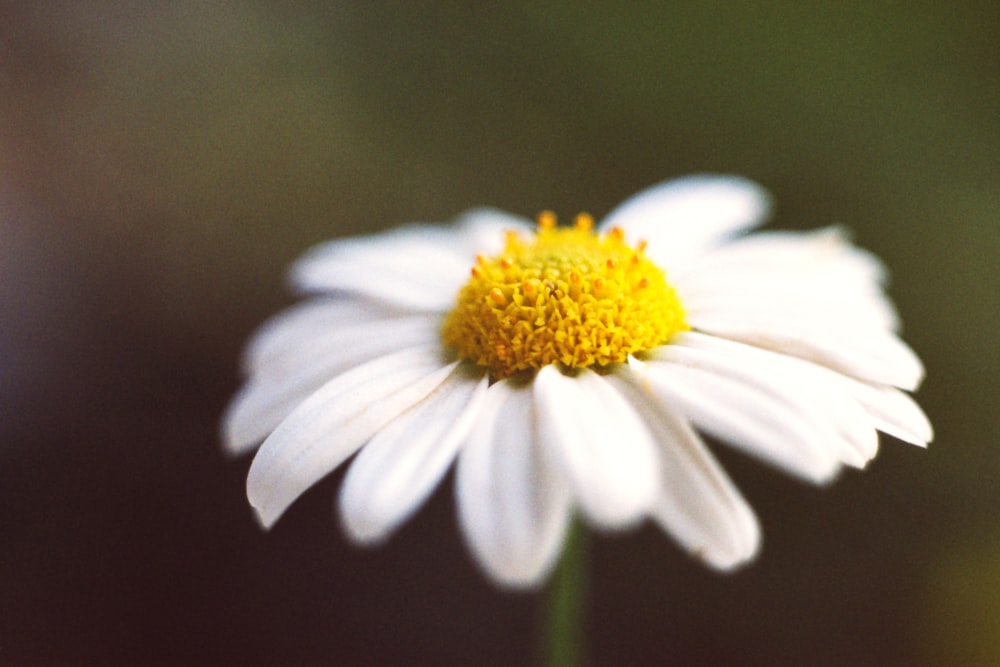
<point x="767" y="415"/>
<point x="683" y="218"/>
<point x="699" y="506"/>
<point x="820" y="396"/>
<point x="742" y="311"/>
<point x="513" y="505"/>
<point x="334" y="422"/>
<point x="783" y="299"/>
<point x="893" y="412"/>
<point x="878" y="357"/>
<point x="300" y="325"/>
<point x="601" y="442"/>
<point x="816" y="279"/>
<point x="395" y="472"/>
<point x="819" y="252"/>
<point x="418" y="266"/>
<point x="288" y="378"/>
<point x="345" y="346"/>
<point x="415" y="266"/>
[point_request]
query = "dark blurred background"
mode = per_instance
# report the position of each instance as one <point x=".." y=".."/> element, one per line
<point x="161" y="163"/>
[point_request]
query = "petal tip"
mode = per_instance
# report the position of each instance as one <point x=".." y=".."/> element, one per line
<point x="361" y="532"/>
<point x="265" y="519"/>
<point x="727" y="562"/>
<point x="743" y="547"/>
<point x="260" y="495"/>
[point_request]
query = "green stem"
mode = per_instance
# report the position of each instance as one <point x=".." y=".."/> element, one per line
<point x="565" y="603"/>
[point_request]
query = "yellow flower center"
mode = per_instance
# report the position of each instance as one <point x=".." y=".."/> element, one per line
<point x="567" y="296"/>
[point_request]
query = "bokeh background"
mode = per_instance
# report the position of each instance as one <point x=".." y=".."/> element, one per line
<point x="161" y="163"/>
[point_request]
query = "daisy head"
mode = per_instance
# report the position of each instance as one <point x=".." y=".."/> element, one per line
<point x="572" y="370"/>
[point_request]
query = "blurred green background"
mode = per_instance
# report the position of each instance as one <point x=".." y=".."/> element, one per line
<point x="162" y="162"/>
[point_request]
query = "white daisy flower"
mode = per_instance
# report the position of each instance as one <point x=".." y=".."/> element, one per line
<point x="570" y="371"/>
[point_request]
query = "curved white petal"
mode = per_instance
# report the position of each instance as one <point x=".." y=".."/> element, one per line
<point x="512" y="503"/>
<point x="698" y="505"/>
<point x="737" y="414"/>
<point x="762" y="415"/>
<point x="893" y="412"/>
<point x="398" y="469"/>
<point x="287" y="378"/>
<point x="776" y="279"/>
<point x="878" y="357"/>
<point x="334" y="422"/>
<point x="601" y="442"/>
<point x="335" y="349"/>
<point x="301" y="324"/>
<point x="684" y="217"/>
<point x="784" y="299"/>
<point x="811" y="395"/>
<point x="418" y="266"/>
<point x="744" y="311"/>
<point x="821" y="252"/>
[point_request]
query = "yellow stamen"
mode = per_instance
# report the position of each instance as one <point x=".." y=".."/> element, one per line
<point x="546" y="220"/>
<point x="584" y="222"/>
<point x="565" y="296"/>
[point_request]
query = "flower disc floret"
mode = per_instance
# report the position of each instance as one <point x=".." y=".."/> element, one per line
<point x="566" y="296"/>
